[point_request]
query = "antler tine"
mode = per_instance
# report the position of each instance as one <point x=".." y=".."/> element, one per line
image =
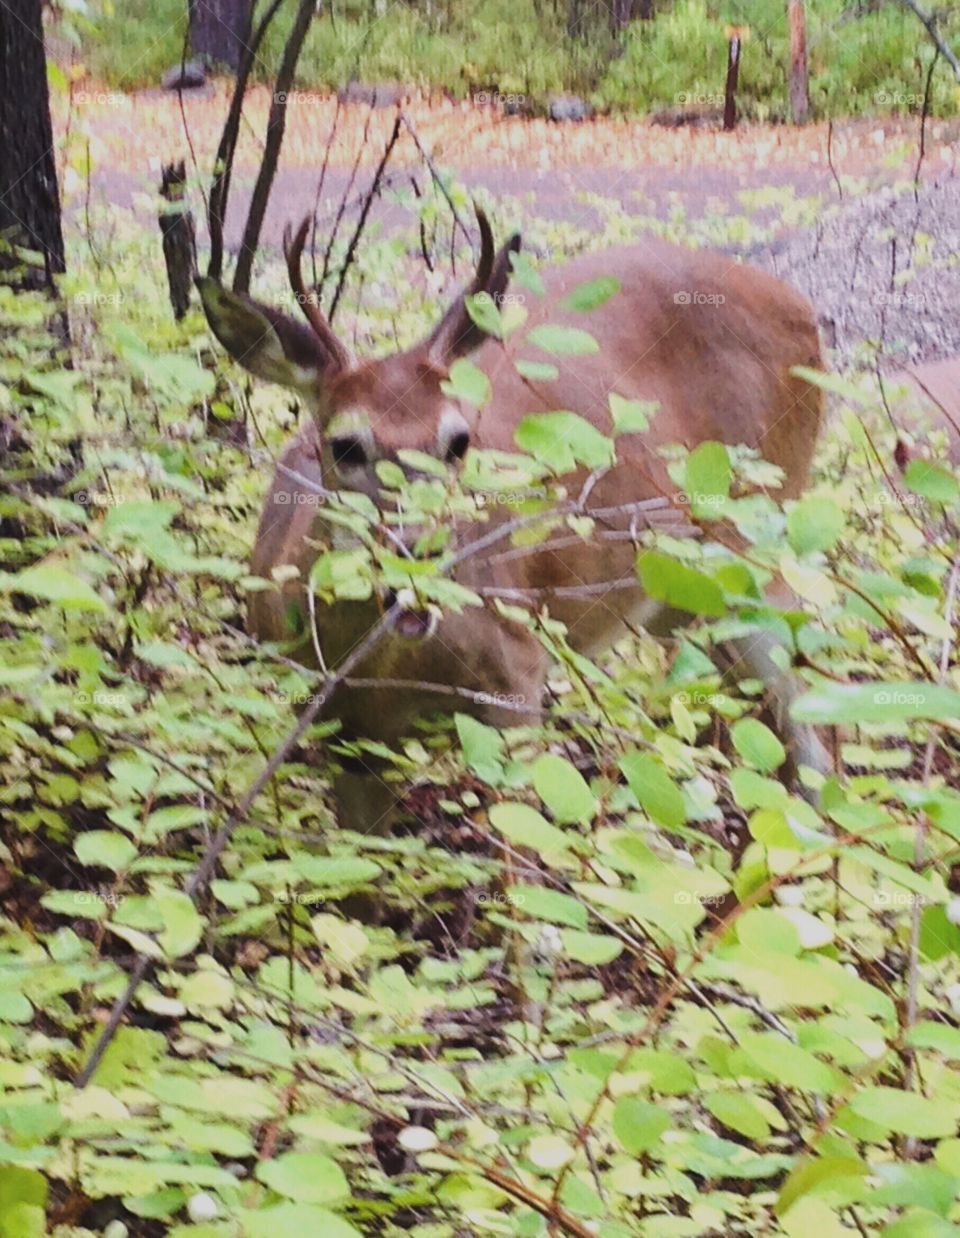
<point x="293" y="253"/>
<point x="487" y="251"/>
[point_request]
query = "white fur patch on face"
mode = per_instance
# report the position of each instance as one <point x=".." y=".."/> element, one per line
<point x="452" y="427"/>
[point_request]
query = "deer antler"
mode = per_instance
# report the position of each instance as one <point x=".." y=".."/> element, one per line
<point x="487" y="253"/>
<point x="293" y="253"/>
<point x="457" y="334"/>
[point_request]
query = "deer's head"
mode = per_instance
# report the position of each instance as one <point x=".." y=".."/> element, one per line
<point x="367" y="411"/>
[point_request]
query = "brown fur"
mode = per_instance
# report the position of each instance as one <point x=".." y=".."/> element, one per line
<point x="719" y="366"/>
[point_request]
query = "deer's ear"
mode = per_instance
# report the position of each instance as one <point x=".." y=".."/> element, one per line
<point x="269" y="344"/>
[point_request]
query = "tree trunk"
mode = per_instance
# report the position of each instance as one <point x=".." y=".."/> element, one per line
<point x="799" y="87"/>
<point x="29" y="198"/>
<point x="219" y="29"/>
<point x="733" y="78"/>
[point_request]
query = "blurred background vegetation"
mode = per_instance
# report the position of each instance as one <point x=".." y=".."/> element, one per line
<point x="866" y="56"/>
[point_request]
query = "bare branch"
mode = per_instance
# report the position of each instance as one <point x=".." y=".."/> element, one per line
<point x="930" y="23"/>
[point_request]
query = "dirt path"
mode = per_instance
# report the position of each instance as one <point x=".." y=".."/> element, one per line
<point x="879" y="261"/>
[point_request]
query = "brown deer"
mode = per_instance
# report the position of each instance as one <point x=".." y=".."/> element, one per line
<point x="712" y="342"/>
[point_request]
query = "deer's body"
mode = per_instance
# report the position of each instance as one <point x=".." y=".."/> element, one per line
<point x="711" y="342"/>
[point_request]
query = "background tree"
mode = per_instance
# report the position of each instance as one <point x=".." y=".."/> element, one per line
<point x="29" y="198"/>
<point x="799" y="80"/>
<point x="219" y="29"/>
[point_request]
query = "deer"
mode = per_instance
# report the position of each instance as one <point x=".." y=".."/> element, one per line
<point x="713" y="343"/>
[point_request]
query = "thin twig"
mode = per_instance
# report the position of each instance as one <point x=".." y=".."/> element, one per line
<point x="919" y="852"/>
<point x="205" y="869"/>
<point x="373" y="193"/>
<point x="930" y="22"/>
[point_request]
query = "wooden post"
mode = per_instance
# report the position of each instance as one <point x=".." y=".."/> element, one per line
<point x="733" y="76"/>
<point x="799" y="80"/>
<point x="179" y="242"/>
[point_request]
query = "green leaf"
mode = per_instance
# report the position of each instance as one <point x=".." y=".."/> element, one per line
<point x="138" y="521"/>
<point x="816" y="1173"/>
<point x="56" y="584"/>
<point x="932" y="481"/>
<point x="562" y="440"/>
<point x="764" y="931"/>
<point x="563" y="789"/>
<point x="781" y="1061"/>
<point x="306" y="1177"/>
<point x="758" y="745"/>
<point x="105" y="849"/>
<point x="321" y="870"/>
<point x="638" y="1124"/>
<point x="907" y="1113"/>
<point x="707" y="478"/>
<point x="288" y="1218"/>
<point x="593" y="293"/>
<point x="527" y="828"/>
<point x="482" y="747"/>
<point x="592" y="949"/>
<point x="835" y="704"/>
<point x="485" y="314"/>
<point x="548" y="905"/>
<point x="630" y="416"/>
<point x="467" y="382"/>
<point x="182" y="924"/>
<point x="537" y="371"/>
<point x="814" y="524"/>
<point x="668" y="580"/>
<point x="563" y="341"/>
<point x="740" y="1112"/>
<point x="658" y="794"/>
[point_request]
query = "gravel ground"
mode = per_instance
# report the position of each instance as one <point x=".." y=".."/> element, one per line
<point x="883" y="267"/>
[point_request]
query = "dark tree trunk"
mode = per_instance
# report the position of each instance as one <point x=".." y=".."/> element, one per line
<point x="219" y="29"/>
<point x="733" y="77"/>
<point x="29" y="198"/>
<point x="799" y="84"/>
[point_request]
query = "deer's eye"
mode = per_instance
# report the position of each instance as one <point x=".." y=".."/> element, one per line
<point x="348" y="452"/>
<point x="457" y="447"/>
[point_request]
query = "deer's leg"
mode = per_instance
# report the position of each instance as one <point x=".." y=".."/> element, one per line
<point x="365" y="802"/>
<point x="751" y="657"/>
